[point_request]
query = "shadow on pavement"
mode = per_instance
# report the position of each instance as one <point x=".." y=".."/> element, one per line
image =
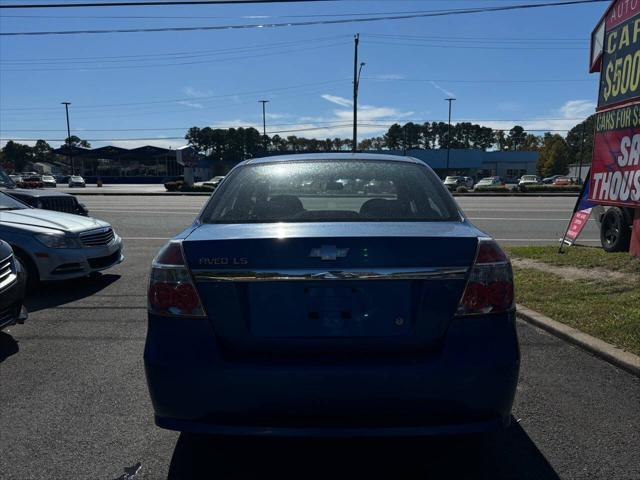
<point x="8" y="346"/>
<point x="507" y="455"/>
<point x="54" y="294"/>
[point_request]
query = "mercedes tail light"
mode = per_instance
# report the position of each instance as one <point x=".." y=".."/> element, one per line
<point x="489" y="288"/>
<point x="171" y="288"/>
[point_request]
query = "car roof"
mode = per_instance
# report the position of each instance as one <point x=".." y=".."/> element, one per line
<point x="331" y="156"/>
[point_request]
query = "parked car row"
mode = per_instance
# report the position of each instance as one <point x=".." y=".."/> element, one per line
<point x="454" y="182"/>
<point x="47" y="236"/>
<point x="35" y="180"/>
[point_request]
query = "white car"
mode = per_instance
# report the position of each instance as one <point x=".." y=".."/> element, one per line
<point x="76" y="181"/>
<point x="529" y="180"/>
<point x="213" y="183"/>
<point x="57" y="246"/>
<point x="49" y="181"/>
<point x="489" y="182"/>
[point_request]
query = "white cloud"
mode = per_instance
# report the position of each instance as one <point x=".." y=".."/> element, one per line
<point x="191" y="104"/>
<point x="443" y="90"/>
<point x="562" y="119"/>
<point x="195" y="93"/>
<point x="158" y="142"/>
<point x="343" y="102"/>
<point x="337" y="124"/>
<point x="386" y="76"/>
<point x="577" y="108"/>
<point x="276" y="116"/>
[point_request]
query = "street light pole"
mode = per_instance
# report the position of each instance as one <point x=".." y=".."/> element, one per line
<point x="68" y="142"/>
<point x="450" y="99"/>
<point x="264" y="123"/>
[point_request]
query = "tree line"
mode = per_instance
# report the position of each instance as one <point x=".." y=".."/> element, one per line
<point x="556" y="152"/>
<point x="236" y="144"/>
<point x="17" y="156"/>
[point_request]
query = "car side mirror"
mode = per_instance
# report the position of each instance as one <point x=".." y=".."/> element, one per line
<point x="83" y="210"/>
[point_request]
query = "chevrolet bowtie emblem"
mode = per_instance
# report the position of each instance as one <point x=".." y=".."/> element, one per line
<point x="328" y="252"/>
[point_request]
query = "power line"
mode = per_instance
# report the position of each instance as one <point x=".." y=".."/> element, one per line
<point x="304" y="127"/>
<point x="501" y="80"/>
<point x="185" y="54"/>
<point x="146" y="3"/>
<point x="219" y="17"/>
<point x="172" y="64"/>
<point x="193" y="99"/>
<point x="472" y="46"/>
<point x="494" y="39"/>
<point x="308" y="23"/>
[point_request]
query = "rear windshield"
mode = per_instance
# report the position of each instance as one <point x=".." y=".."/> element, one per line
<point x="330" y="191"/>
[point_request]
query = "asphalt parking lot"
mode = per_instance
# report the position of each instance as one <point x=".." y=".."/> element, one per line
<point x="74" y="404"/>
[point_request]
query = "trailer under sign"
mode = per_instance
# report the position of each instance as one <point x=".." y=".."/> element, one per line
<point x="615" y="169"/>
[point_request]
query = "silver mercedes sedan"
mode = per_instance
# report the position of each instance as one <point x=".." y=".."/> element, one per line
<point x="57" y="246"/>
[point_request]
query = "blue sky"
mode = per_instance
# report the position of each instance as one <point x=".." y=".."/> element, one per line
<point x="527" y="67"/>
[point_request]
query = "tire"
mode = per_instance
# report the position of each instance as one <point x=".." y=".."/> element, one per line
<point x="615" y="231"/>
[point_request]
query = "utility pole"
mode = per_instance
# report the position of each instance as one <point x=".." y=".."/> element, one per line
<point x="450" y="99"/>
<point x="264" y="123"/>
<point x="68" y="142"/>
<point x="356" y="84"/>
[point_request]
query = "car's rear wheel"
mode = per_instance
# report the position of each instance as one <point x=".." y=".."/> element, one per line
<point x="615" y="234"/>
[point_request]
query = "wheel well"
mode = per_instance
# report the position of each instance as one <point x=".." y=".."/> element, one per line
<point x="627" y="212"/>
<point x="26" y="259"/>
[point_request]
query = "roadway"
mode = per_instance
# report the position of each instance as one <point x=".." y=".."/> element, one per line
<point x="511" y="220"/>
<point x="74" y="404"/>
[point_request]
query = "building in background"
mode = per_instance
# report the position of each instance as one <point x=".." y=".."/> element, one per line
<point x="151" y="164"/>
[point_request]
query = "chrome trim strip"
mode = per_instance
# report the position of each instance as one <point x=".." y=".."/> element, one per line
<point x="8" y="281"/>
<point x="272" y="275"/>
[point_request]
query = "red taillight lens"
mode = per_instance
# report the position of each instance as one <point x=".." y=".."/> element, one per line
<point x="171" y="289"/>
<point x="185" y="297"/>
<point x="490" y="285"/>
<point x="160" y="295"/>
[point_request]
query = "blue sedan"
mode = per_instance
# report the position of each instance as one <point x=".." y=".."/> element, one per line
<point x="292" y="306"/>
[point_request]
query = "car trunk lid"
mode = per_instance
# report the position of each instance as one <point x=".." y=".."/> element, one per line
<point x="325" y="287"/>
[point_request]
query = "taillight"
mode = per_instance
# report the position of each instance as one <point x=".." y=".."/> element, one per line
<point x="490" y="285"/>
<point x="171" y="289"/>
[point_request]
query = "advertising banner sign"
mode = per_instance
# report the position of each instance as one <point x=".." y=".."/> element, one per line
<point x="615" y="168"/>
<point x="581" y="214"/>
<point x="578" y="221"/>
<point x="620" y="71"/>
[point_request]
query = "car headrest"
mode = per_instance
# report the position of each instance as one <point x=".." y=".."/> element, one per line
<point x="283" y="206"/>
<point x="385" y="209"/>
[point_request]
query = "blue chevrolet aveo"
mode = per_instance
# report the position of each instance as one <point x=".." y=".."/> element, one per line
<point x="331" y="295"/>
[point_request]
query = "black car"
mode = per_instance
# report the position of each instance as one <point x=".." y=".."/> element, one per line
<point x="12" y="288"/>
<point x="40" y="198"/>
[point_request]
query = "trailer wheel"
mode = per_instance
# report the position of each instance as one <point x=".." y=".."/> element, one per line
<point x="615" y="232"/>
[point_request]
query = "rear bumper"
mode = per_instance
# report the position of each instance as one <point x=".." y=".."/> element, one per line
<point x="466" y="386"/>
<point x="486" y="426"/>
